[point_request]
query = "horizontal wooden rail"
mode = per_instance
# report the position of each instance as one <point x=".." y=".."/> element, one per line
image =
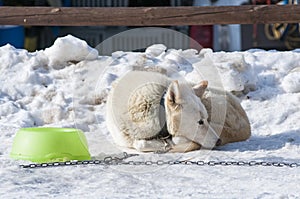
<point x="149" y="16"/>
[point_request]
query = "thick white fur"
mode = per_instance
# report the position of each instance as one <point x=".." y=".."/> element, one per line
<point x="134" y="116"/>
<point x="133" y="110"/>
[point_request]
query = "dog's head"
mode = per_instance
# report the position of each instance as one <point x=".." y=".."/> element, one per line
<point x="187" y="116"/>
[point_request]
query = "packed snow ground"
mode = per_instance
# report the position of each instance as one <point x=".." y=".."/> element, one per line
<point x="66" y="85"/>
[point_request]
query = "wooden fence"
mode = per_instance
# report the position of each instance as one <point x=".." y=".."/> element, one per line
<point x="149" y="16"/>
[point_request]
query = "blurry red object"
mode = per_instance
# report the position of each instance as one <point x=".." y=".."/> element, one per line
<point x="203" y="35"/>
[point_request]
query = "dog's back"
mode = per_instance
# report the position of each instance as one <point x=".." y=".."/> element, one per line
<point x="229" y="118"/>
<point x="133" y="107"/>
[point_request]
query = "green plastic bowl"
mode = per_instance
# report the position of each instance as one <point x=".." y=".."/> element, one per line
<point x="50" y="144"/>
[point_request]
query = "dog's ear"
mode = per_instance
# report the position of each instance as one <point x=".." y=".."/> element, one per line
<point x="173" y="93"/>
<point x="199" y="89"/>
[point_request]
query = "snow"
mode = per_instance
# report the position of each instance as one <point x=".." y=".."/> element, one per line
<point x="69" y="48"/>
<point x="66" y="85"/>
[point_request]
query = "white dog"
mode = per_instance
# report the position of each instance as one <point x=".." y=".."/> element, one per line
<point x="148" y="111"/>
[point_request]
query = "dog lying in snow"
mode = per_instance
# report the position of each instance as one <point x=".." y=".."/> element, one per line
<point x="148" y="111"/>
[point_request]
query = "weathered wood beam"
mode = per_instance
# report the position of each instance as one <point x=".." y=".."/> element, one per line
<point x="149" y="16"/>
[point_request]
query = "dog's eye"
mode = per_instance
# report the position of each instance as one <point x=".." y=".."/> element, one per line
<point x="201" y="122"/>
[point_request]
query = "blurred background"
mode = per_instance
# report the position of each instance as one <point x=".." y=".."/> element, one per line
<point x="218" y="37"/>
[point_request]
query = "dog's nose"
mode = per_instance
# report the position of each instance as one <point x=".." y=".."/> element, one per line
<point x="219" y="142"/>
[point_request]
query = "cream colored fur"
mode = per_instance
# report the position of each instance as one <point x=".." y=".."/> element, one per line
<point x="236" y="126"/>
<point x="135" y="117"/>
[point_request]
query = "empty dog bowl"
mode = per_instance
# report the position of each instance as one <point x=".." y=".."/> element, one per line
<point x="50" y="144"/>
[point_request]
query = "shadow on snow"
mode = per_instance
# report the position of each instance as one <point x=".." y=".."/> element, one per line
<point x="271" y="142"/>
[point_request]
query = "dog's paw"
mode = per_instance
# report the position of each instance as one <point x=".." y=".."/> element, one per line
<point x="165" y="150"/>
<point x="152" y="146"/>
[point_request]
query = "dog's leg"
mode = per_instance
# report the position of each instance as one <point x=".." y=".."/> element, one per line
<point x="182" y="144"/>
<point x="154" y="145"/>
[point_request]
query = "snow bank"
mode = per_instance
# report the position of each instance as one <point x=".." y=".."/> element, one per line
<point x="291" y="81"/>
<point x="52" y="86"/>
<point x="39" y="86"/>
<point x="69" y="49"/>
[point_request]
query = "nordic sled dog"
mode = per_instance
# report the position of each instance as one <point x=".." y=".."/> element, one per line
<point x="148" y="111"/>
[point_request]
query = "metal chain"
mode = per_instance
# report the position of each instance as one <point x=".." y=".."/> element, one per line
<point x="109" y="160"/>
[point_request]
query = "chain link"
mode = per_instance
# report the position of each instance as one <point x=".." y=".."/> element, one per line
<point x="109" y="160"/>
